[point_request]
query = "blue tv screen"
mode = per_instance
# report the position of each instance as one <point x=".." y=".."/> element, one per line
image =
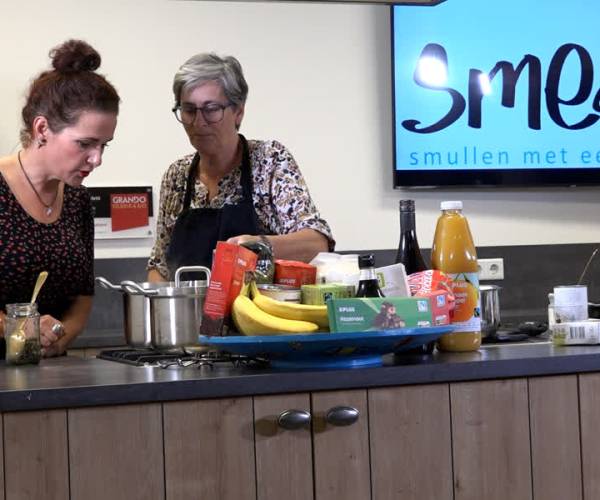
<point x="496" y="93"/>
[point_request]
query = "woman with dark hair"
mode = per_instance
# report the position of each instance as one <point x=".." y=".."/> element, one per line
<point x="230" y="189"/>
<point x="46" y="220"/>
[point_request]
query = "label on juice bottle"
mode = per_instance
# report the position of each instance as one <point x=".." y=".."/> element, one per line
<point x="467" y="309"/>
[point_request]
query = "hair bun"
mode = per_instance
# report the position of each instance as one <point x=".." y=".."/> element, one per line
<point x="73" y="56"/>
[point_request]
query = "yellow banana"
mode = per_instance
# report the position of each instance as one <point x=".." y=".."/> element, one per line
<point x="290" y="310"/>
<point x="251" y="320"/>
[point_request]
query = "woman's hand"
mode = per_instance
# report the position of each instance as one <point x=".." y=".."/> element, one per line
<point x="51" y="331"/>
<point x="302" y="245"/>
<point x="243" y="238"/>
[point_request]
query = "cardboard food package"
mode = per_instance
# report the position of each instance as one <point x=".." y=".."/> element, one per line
<point x="294" y="273"/>
<point x="230" y="264"/>
<point x="393" y="281"/>
<point x="364" y="314"/>
<point x="319" y="294"/>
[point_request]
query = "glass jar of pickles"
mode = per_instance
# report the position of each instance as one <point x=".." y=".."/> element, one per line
<point x="22" y="334"/>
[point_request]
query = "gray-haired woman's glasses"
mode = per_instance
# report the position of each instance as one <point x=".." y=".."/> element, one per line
<point x="212" y="113"/>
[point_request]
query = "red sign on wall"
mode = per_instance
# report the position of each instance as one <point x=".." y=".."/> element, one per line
<point x="129" y="210"/>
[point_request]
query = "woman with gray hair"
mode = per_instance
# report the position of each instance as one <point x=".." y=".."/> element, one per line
<point x="231" y="189"/>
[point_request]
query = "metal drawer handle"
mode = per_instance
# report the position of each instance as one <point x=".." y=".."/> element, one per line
<point x="293" y="419"/>
<point x="342" y="415"/>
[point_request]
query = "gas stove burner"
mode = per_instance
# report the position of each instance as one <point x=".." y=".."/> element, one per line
<point x="177" y="358"/>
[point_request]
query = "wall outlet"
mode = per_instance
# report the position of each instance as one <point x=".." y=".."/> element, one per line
<point x="491" y="269"/>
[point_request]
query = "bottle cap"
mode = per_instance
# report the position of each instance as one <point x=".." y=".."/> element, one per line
<point x="451" y="205"/>
<point x="407" y="205"/>
<point x="366" y="260"/>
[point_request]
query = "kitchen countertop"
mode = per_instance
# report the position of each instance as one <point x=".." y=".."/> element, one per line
<point x="67" y="382"/>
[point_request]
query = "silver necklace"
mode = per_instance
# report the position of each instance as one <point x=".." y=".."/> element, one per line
<point x="49" y="208"/>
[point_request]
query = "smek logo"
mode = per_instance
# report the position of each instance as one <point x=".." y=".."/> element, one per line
<point x="432" y="69"/>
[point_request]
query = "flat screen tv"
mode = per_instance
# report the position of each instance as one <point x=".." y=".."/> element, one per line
<point x="503" y="93"/>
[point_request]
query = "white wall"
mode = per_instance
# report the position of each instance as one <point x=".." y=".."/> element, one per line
<point x="319" y="77"/>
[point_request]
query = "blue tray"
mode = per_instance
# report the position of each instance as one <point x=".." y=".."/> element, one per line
<point x="327" y="350"/>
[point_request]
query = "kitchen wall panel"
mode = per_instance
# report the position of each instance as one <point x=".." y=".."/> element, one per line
<point x="530" y="273"/>
<point x="320" y="82"/>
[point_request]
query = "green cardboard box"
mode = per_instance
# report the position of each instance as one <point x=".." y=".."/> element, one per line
<point x="363" y="314"/>
<point x="321" y="293"/>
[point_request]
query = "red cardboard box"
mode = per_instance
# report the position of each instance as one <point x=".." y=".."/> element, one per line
<point x="294" y="273"/>
<point x="230" y="264"/>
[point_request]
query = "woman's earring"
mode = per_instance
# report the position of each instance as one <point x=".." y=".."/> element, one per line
<point x="41" y="142"/>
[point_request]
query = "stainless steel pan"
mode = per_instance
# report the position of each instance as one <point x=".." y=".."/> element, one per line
<point x="136" y="312"/>
<point x="175" y="310"/>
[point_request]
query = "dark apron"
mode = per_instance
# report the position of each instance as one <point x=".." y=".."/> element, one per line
<point x="197" y="230"/>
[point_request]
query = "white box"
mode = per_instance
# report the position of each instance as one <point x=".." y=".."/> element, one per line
<point x="393" y="281"/>
<point x="576" y="332"/>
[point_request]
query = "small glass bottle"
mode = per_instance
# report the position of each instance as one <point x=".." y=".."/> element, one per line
<point x="409" y="252"/>
<point x="22" y="334"/>
<point x="368" y="284"/>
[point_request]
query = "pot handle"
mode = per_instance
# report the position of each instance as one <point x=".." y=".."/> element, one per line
<point x="132" y="288"/>
<point x="190" y="269"/>
<point x="104" y="283"/>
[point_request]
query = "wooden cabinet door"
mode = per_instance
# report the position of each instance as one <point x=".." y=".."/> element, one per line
<point x="36" y="457"/>
<point x="411" y="457"/>
<point x="1" y="457"/>
<point x="589" y="400"/>
<point x="209" y="449"/>
<point x="341" y="452"/>
<point x="490" y="440"/>
<point x="283" y="457"/>
<point x="116" y="452"/>
<point x="555" y="450"/>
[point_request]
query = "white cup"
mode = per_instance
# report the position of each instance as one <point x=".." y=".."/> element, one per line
<point x="567" y="314"/>
<point x="571" y="295"/>
<point x="570" y="303"/>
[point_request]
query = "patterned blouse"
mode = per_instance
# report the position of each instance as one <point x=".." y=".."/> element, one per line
<point x="64" y="248"/>
<point x="281" y="199"/>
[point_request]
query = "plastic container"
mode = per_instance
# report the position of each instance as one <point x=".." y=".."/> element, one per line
<point x="453" y="252"/>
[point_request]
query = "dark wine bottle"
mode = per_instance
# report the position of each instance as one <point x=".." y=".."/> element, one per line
<point x="368" y="284"/>
<point x="410" y="255"/>
<point x="409" y="252"/>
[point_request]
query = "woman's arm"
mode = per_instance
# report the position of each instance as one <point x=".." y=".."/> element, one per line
<point x="154" y="276"/>
<point x="170" y="205"/>
<point x="285" y="209"/>
<point x="302" y="245"/>
<point x="73" y="323"/>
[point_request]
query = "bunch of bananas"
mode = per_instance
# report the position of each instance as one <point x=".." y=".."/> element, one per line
<point x="257" y="314"/>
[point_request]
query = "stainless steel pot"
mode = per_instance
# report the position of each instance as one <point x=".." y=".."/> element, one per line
<point x="490" y="310"/>
<point x="175" y="311"/>
<point x="136" y="312"/>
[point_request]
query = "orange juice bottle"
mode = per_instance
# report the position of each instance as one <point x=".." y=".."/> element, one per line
<point x="453" y="253"/>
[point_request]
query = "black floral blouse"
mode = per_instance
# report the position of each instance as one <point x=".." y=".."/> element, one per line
<point x="281" y="199"/>
<point x="64" y="248"/>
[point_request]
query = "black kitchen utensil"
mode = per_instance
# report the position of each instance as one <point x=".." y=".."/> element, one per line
<point x="532" y="328"/>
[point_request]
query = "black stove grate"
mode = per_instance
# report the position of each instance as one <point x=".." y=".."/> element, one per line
<point x="177" y="359"/>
